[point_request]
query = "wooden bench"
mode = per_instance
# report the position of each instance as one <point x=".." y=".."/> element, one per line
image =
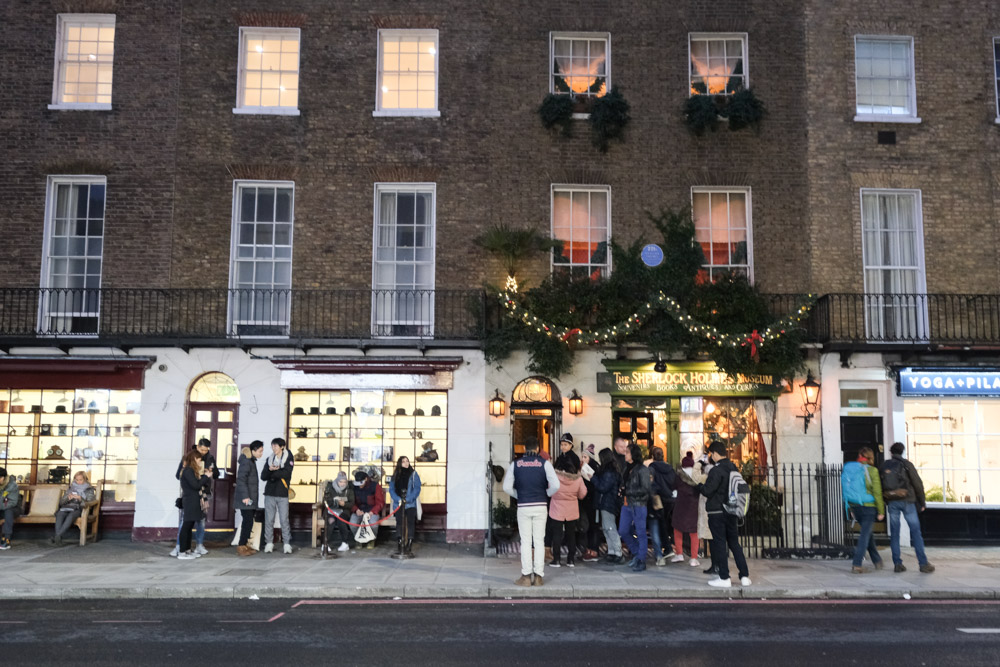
<point x="41" y="501"/>
<point x="319" y="511"/>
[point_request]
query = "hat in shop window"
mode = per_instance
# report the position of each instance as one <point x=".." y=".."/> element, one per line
<point x="435" y="410"/>
<point x="298" y="411"/>
<point x="567" y="437"/>
<point x="331" y="410"/>
<point x="400" y="412"/>
<point x="418" y="412"/>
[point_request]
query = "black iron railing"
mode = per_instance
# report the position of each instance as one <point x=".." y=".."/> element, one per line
<point x="240" y="313"/>
<point x="796" y="510"/>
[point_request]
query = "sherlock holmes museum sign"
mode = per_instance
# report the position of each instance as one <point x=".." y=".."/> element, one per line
<point x="684" y="380"/>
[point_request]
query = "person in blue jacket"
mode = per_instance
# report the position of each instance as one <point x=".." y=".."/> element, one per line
<point x="405" y="489"/>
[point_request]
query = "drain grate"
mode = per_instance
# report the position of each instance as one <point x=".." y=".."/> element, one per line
<point x="243" y="573"/>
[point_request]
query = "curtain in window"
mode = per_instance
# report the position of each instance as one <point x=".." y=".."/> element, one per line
<point x="892" y="266"/>
<point x="580" y="66"/>
<point x="716" y="66"/>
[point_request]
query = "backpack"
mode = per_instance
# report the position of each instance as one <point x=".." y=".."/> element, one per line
<point x="738" y="501"/>
<point x="894" y="480"/>
<point x="855" y="482"/>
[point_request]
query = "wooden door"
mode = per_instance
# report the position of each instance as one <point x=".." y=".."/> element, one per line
<point x="218" y="423"/>
<point x="635" y="427"/>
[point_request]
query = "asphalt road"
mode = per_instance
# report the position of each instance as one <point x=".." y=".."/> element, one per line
<point x="244" y="632"/>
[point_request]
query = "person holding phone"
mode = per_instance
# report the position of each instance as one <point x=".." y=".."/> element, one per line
<point x="278" y="476"/>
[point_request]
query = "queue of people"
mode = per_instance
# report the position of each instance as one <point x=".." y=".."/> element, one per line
<point x="629" y="500"/>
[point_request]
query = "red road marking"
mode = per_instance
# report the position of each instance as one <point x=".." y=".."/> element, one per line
<point x="270" y="620"/>
<point x="608" y="601"/>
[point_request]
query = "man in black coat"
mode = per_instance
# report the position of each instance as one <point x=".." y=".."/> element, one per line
<point x="724" y="526"/>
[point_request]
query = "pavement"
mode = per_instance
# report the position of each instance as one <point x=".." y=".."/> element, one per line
<point x="113" y="568"/>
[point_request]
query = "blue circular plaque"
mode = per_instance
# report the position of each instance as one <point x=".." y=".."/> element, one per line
<point x="652" y="255"/>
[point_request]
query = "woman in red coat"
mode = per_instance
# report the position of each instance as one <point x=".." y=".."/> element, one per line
<point x="686" y="514"/>
<point x="564" y="511"/>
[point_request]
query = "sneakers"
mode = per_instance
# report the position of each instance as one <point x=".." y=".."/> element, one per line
<point x="721" y="583"/>
<point x="679" y="558"/>
<point x="745" y="581"/>
<point x="880" y="565"/>
<point x="591" y="556"/>
<point x="173" y="554"/>
<point x="187" y="555"/>
<point x="236" y="539"/>
<point x="555" y="563"/>
<point x="538" y="580"/>
<point x="640" y="566"/>
<point x="287" y="548"/>
<point x="926" y="568"/>
<point x="201" y="550"/>
<point x="694" y="563"/>
<point x="523" y="580"/>
<point x="661" y="561"/>
<point x="269" y="548"/>
<point x="899" y="567"/>
<point x="344" y="546"/>
<point x="570" y="564"/>
<point x="858" y="570"/>
<point x="4" y="544"/>
<point x="370" y="545"/>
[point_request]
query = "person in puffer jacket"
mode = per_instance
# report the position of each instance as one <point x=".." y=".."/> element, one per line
<point x="278" y="476"/>
<point x="607" y="481"/>
<point x="247" y="483"/>
<point x="632" y="523"/>
<point x="564" y="511"/>
<point x="8" y="502"/>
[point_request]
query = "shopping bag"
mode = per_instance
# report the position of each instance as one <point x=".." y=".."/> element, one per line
<point x="365" y="533"/>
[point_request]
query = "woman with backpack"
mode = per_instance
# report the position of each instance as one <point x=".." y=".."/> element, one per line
<point x="862" y="490"/>
<point x="606" y="484"/>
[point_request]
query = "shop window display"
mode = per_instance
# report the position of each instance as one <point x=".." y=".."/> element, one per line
<point x="333" y="431"/>
<point x="744" y="425"/>
<point x="49" y="435"/>
<point x="955" y="446"/>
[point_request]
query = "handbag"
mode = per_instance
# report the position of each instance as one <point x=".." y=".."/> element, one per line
<point x="179" y="503"/>
<point x="657" y="502"/>
<point x="291" y="491"/>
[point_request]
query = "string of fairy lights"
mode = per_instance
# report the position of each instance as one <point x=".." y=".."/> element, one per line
<point x="659" y="302"/>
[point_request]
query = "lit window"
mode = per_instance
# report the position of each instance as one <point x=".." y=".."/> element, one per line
<point x="403" y="300"/>
<point x="85" y="54"/>
<point x="269" y="71"/>
<point x="407" y="73"/>
<point x="581" y="229"/>
<point x="261" y="273"/>
<point x="74" y="250"/>
<point x="722" y="228"/>
<point x="580" y="64"/>
<point x="718" y="63"/>
<point x="884" y="85"/>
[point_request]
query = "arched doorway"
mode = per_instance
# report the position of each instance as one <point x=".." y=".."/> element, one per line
<point x="535" y="410"/>
<point x="213" y="410"/>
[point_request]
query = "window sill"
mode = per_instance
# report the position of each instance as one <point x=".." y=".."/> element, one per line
<point x="264" y="111"/>
<point x="79" y="107"/>
<point x="415" y="113"/>
<point x="887" y="119"/>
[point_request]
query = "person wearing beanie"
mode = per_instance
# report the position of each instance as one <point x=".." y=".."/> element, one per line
<point x="339" y="498"/>
<point x="369" y="499"/>
<point x="247" y="483"/>
<point x="564" y="511"/>
<point x="724" y="526"/>
<point x="277" y="475"/>
<point x="567" y="457"/>
<point x="8" y="502"/>
<point x="685" y="519"/>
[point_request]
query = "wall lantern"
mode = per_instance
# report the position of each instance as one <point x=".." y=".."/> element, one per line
<point x="497" y="405"/>
<point x="810" y="399"/>
<point x="575" y="403"/>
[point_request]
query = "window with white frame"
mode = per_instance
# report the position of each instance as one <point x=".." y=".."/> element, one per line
<point x="403" y="265"/>
<point x="581" y="230"/>
<point x="892" y="245"/>
<point x="885" y="88"/>
<point x="722" y="228"/>
<point x="261" y="265"/>
<point x="996" y="73"/>
<point x="407" y="73"/>
<point x="268" y="71"/>
<point x="717" y="63"/>
<point x="580" y="64"/>
<point x="85" y="55"/>
<point x="73" y="255"/>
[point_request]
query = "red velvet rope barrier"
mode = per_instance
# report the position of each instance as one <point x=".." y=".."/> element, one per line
<point x="358" y="525"/>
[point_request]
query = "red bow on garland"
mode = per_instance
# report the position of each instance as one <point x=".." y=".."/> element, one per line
<point x="569" y="334"/>
<point x="754" y="339"/>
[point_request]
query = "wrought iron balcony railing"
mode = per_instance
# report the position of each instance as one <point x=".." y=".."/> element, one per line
<point x="150" y="313"/>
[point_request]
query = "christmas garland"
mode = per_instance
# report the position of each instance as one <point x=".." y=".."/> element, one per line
<point x="661" y="301"/>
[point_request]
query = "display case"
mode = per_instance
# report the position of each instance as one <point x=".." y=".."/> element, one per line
<point x="49" y="435"/>
<point x="334" y="431"/>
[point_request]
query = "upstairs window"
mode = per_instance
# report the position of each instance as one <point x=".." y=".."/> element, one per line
<point x="581" y="229"/>
<point x="85" y="54"/>
<point x="268" y="71"/>
<point x="407" y="73"/>
<point x="718" y="63"/>
<point x="580" y="64"/>
<point x="884" y="84"/>
<point x="722" y="229"/>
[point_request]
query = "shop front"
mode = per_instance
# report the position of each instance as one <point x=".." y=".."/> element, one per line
<point x="952" y="436"/>
<point x="685" y="406"/>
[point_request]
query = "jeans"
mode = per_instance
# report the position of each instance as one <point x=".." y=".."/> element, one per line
<point x="246" y="526"/>
<point x="558" y="529"/>
<point x="610" y="527"/>
<point x="866" y="540"/>
<point x="531" y="522"/>
<point x="634" y="516"/>
<point x="274" y="505"/>
<point x="65" y="519"/>
<point x="8" y="522"/>
<point x="725" y="538"/>
<point x="909" y="512"/>
<point x="656" y="536"/>
<point x="199" y="531"/>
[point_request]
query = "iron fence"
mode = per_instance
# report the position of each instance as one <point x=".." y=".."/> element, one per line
<point x="241" y="313"/>
<point x="796" y="510"/>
